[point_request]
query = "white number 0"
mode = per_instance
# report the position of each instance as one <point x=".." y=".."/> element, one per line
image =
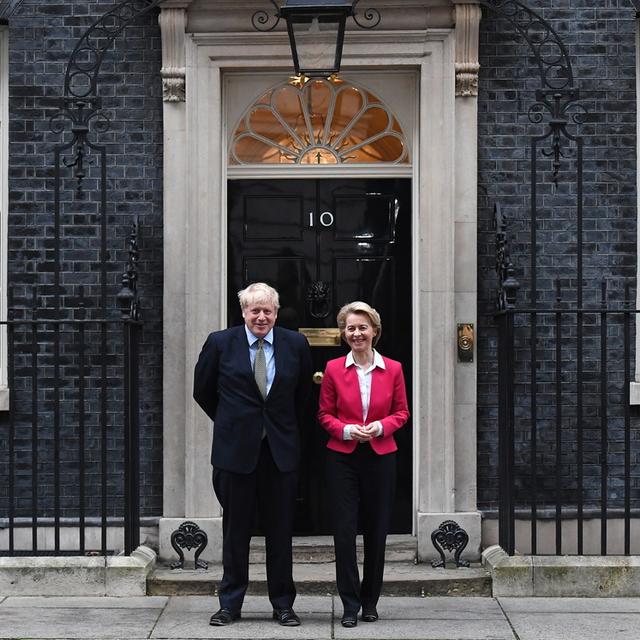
<point x="326" y="219"/>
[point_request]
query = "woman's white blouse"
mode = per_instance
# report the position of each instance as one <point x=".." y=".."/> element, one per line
<point x="365" y="375"/>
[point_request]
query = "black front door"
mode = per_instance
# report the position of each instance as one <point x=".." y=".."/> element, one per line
<point x="321" y="244"/>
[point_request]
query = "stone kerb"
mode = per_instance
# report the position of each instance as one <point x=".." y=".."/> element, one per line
<point x="77" y="576"/>
<point x="562" y="576"/>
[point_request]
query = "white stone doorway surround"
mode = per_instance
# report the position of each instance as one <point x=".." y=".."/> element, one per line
<point x="436" y="42"/>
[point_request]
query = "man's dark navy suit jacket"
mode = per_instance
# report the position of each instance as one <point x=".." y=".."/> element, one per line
<point x="225" y="387"/>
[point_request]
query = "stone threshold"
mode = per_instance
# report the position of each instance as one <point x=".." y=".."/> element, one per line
<point x="77" y="576"/>
<point x="319" y="549"/>
<point x="562" y="576"/>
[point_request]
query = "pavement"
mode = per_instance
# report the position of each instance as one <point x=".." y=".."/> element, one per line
<point x="410" y="618"/>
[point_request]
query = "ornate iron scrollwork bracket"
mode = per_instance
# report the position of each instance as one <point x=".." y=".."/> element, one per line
<point x="450" y="535"/>
<point x="188" y="536"/>
<point x="264" y="21"/>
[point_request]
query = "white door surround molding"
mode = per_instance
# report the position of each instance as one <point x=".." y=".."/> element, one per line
<point x="444" y="262"/>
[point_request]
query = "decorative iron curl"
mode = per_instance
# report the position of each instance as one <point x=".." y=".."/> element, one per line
<point x="371" y="17"/>
<point x="450" y="536"/>
<point x="127" y="297"/>
<point x="78" y="115"/>
<point x="559" y="108"/>
<point x="80" y="106"/>
<point x="507" y="284"/>
<point x="188" y="536"/>
<point x="557" y="96"/>
<point x="548" y="50"/>
<point x="261" y="19"/>
<point x="86" y="59"/>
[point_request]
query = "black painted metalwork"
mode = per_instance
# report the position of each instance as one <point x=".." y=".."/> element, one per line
<point x="583" y="470"/>
<point x="546" y="46"/>
<point x="556" y="154"/>
<point x="561" y="478"/>
<point x="52" y="335"/>
<point x="318" y="299"/>
<point x="35" y="335"/>
<point x="301" y="12"/>
<point x="449" y="536"/>
<point x="505" y="303"/>
<point x="189" y="536"/>
<point x="508" y="285"/>
<point x="264" y="21"/>
<point x="9" y="7"/>
<point x="295" y="252"/>
<point x="127" y="297"/>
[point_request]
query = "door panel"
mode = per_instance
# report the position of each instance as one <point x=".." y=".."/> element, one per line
<point x="322" y="243"/>
<point x="259" y="225"/>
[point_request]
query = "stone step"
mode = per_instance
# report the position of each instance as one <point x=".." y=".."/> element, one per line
<point x="317" y="578"/>
<point x="319" y="549"/>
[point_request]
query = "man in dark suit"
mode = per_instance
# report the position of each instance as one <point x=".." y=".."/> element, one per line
<point x="253" y="381"/>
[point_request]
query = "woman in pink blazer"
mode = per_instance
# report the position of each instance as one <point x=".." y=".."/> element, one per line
<point x="363" y="401"/>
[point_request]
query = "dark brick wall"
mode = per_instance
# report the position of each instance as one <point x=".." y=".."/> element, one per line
<point x="601" y="44"/>
<point x="43" y="34"/>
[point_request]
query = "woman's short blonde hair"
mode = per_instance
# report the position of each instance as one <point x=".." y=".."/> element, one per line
<point x="256" y="293"/>
<point x="360" y="307"/>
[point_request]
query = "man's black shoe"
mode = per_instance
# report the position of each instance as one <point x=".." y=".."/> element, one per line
<point x="349" y="620"/>
<point x="223" y="617"/>
<point x="286" y="617"/>
<point x="369" y="614"/>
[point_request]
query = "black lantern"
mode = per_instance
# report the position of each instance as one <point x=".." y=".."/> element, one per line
<point x="316" y="34"/>
<point x="316" y="31"/>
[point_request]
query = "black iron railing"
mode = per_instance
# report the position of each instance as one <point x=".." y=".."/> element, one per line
<point x="72" y="446"/>
<point x="72" y="454"/>
<point x="569" y="440"/>
<point x="69" y="461"/>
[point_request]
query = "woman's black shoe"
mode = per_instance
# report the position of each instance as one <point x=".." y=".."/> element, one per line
<point x="349" y="620"/>
<point x="369" y="614"/>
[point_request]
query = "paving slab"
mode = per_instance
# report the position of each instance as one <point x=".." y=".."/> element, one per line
<point x="86" y="602"/>
<point x="84" y="622"/>
<point x="570" y="605"/>
<point x="576" y="626"/>
<point x="574" y="618"/>
<point x="188" y="617"/>
<point x="252" y="604"/>
<point x="442" y="618"/>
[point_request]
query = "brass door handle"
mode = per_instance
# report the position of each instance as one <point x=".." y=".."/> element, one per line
<point x="317" y="377"/>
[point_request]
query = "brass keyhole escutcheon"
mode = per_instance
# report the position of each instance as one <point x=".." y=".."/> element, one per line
<point x="317" y="377"/>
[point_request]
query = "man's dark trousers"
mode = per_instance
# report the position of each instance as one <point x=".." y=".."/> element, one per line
<point x="273" y="493"/>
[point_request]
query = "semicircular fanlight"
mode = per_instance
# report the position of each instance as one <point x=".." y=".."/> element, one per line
<point x="325" y="121"/>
